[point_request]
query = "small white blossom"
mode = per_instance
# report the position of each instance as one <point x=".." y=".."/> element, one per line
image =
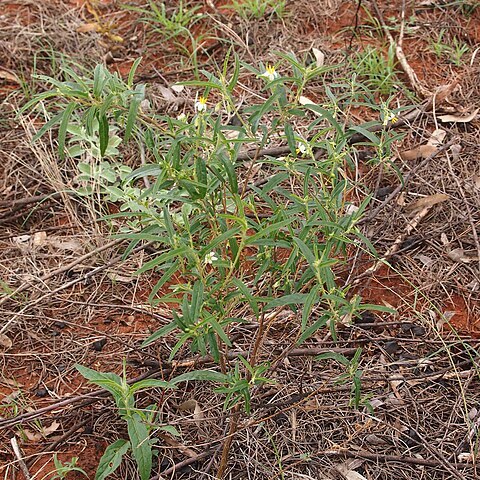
<point x="301" y="148"/>
<point x="210" y="258"/>
<point x="270" y="73"/>
<point x="182" y="118"/>
<point x="201" y="104"/>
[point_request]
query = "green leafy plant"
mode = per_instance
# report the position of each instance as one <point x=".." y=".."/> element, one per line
<point x="168" y="23"/>
<point x="63" y="469"/>
<point x="352" y="374"/>
<point x="230" y="248"/>
<point x="376" y="70"/>
<point x="140" y="422"/>
<point x="453" y="51"/>
<point x="249" y="9"/>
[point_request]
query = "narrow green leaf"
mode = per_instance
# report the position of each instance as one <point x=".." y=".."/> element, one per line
<point x="200" y="375"/>
<point x="159" y="333"/>
<point x="309" y="303"/>
<point x="293" y="299"/>
<point x="292" y="144"/>
<point x="98" y="80"/>
<point x="307" y="253"/>
<point x="47" y="126"/>
<point x="219" y="331"/>
<point x="62" y="131"/>
<point x="131" y="74"/>
<point x="111" y="459"/>
<point x="137" y="98"/>
<point x="103" y="133"/>
<point x="149" y="383"/>
<point x="141" y="445"/>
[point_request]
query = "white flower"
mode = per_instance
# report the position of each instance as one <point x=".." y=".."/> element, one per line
<point x="210" y="258"/>
<point x="201" y="104"/>
<point x="182" y="118"/>
<point x="301" y="148"/>
<point x="270" y="74"/>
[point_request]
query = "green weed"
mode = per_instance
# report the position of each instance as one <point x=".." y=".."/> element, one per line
<point x="249" y="9"/>
<point x="205" y="213"/>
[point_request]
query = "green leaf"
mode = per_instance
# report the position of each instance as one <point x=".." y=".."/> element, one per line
<point x="159" y="333"/>
<point x="338" y="357"/>
<point x="274" y="227"/>
<point x="162" y="259"/>
<point x="111" y="459"/>
<point x="141" y="445"/>
<point x="62" y="131"/>
<point x="219" y="331"/>
<point x="98" y="80"/>
<point x="51" y="123"/>
<point x="131" y="74"/>
<point x="200" y="375"/>
<point x="109" y="381"/>
<point x="138" y="96"/>
<point x="293" y="299"/>
<point x="290" y="138"/>
<point x="169" y="429"/>
<point x="309" y="303"/>
<point x="197" y="301"/>
<point x="103" y="130"/>
<point x="149" y="383"/>
<point x="307" y="253"/>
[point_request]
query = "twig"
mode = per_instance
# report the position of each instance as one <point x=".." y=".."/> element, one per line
<point x="18" y="454"/>
<point x="383" y="458"/>
<point x="412" y="76"/>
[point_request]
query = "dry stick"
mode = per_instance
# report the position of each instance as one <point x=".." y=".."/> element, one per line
<point x="412" y="76"/>
<point x="15" y="204"/>
<point x="63" y="269"/>
<point x="383" y="458"/>
<point x="18" y="454"/>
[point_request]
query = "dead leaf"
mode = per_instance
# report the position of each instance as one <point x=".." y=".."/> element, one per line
<point x="88" y="27"/>
<point x="52" y="428"/>
<point x="444" y="91"/>
<point x="116" y="277"/>
<point x="173" y="443"/>
<point x="347" y="469"/>
<point x="33" y="437"/>
<point x="423" y="151"/>
<point x="427" y="202"/>
<point x="5" y="342"/>
<point x="187" y="405"/>
<point x="476" y="181"/>
<point x="459" y="255"/>
<point x="71" y="245"/>
<point x="319" y="56"/>
<point x="39" y="239"/>
<point x="11" y="398"/>
<point x="437" y="137"/>
<point x="167" y="94"/>
<point x="177" y="88"/>
<point x="305" y="101"/>
<point x="10" y="77"/>
<point x="459" y="118"/>
<point x="198" y="415"/>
